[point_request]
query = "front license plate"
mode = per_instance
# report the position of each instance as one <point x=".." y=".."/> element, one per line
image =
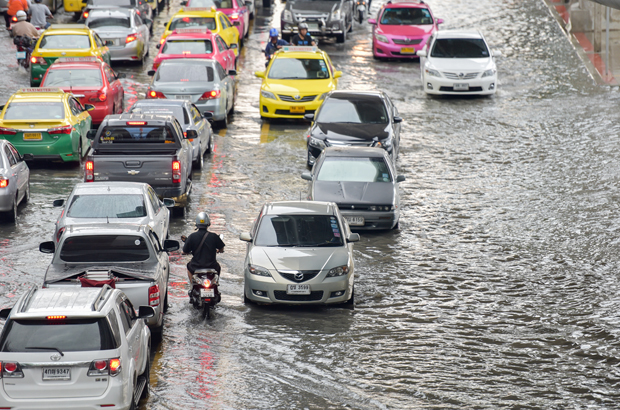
<point x="57" y="373"/>
<point x="21" y="55"/>
<point x="407" y="50"/>
<point x="313" y="27"/>
<point x="297" y="289"/>
<point x="355" y="220"/>
<point x="32" y="136"/>
<point x="460" y="87"/>
<point x="207" y="293"/>
<point x="298" y="110"/>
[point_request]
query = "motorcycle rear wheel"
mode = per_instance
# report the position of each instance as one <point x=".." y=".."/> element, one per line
<point x="206" y="311"/>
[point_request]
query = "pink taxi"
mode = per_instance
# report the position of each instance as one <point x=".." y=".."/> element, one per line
<point x="238" y="12"/>
<point x="195" y="43"/>
<point x="402" y="28"/>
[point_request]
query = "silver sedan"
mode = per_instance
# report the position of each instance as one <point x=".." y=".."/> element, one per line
<point x="14" y="180"/>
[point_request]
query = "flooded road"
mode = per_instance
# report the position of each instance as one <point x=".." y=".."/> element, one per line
<point x="501" y="288"/>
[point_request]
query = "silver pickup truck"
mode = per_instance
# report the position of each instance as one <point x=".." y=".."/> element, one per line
<point x="128" y="257"/>
<point x="142" y="148"/>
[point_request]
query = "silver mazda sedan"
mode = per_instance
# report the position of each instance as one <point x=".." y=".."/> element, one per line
<point x="14" y="180"/>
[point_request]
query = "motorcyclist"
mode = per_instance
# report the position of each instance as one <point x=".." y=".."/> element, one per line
<point x="302" y="38"/>
<point x="14" y="7"/>
<point x="23" y="28"/>
<point x="39" y="13"/>
<point x="204" y="246"/>
<point x="274" y="43"/>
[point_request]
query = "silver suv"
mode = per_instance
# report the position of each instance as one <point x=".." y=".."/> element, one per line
<point x="79" y="348"/>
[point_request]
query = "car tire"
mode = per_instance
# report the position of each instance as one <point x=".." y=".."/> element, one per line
<point x="341" y="38"/>
<point x="26" y="197"/>
<point x="11" y="215"/>
<point x="146" y="391"/>
<point x="210" y="145"/>
<point x="224" y="122"/>
<point x="166" y="298"/>
<point x="200" y="162"/>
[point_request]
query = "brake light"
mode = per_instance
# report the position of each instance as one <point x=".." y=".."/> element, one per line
<point x="131" y="37"/>
<point x="210" y="95"/>
<point x="101" y="96"/>
<point x="136" y="123"/>
<point x="11" y="369"/>
<point x="102" y="367"/>
<point x="155" y="94"/>
<point x="7" y="131"/>
<point x="65" y="129"/>
<point x="154" y="295"/>
<point x="38" y="60"/>
<point x="176" y="172"/>
<point x="89" y="171"/>
<point x="234" y="16"/>
<point x="115" y="366"/>
<point x="56" y="317"/>
<point x="85" y="15"/>
<point x="4" y="183"/>
<point x="206" y="283"/>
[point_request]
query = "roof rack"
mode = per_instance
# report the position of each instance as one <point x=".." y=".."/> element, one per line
<point x="96" y="306"/>
<point x="26" y="300"/>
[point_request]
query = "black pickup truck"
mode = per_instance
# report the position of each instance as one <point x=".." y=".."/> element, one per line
<point x="142" y="148"/>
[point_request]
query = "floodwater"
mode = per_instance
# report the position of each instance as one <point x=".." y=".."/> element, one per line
<point x="499" y="290"/>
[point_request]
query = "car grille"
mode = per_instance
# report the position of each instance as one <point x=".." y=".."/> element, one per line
<point x="471" y="90"/>
<point x="456" y="76"/>
<point x="312" y="297"/>
<point x="306" y="275"/>
<point x="407" y="41"/>
<point x="288" y="112"/>
<point x="356" y="207"/>
<point x="289" y="98"/>
<point x="337" y="143"/>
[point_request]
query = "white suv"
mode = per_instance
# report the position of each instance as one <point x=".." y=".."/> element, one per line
<point x="79" y="348"/>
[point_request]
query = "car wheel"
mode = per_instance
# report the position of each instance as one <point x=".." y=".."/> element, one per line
<point x="26" y="198"/>
<point x="224" y="122"/>
<point x="146" y="375"/>
<point x="210" y="145"/>
<point x="341" y="38"/>
<point x="200" y="162"/>
<point x="166" y="298"/>
<point x="351" y="301"/>
<point x="11" y="215"/>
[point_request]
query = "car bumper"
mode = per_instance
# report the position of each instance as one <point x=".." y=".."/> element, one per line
<point x="215" y="107"/>
<point x="37" y="72"/>
<point x="386" y="50"/>
<point x="100" y="112"/>
<point x="270" y="108"/>
<point x="6" y="199"/>
<point x="131" y="52"/>
<point x="330" y="29"/>
<point x="373" y="219"/>
<point x="64" y="148"/>
<point x="180" y="198"/>
<point x="444" y="86"/>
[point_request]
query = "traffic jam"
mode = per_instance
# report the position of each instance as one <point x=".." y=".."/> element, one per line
<point x="216" y="193"/>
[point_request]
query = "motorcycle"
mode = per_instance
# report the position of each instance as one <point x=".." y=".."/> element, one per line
<point x="205" y="294"/>
<point x="24" y="45"/>
<point x="361" y="8"/>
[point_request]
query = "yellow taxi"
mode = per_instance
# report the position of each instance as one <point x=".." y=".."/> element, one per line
<point x="295" y="82"/>
<point x="64" y="40"/>
<point x="204" y="18"/>
<point x="47" y="123"/>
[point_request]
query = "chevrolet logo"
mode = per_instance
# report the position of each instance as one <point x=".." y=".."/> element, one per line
<point x="133" y="172"/>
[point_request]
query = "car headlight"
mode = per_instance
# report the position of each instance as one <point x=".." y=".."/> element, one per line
<point x="432" y="72"/>
<point x="381" y="38"/>
<point x="322" y="96"/>
<point x="338" y="271"/>
<point x="336" y="15"/>
<point x="267" y="94"/>
<point x="258" y="270"/>
<point x="287" y="15"/>
<point x="317" y="142"/>
<point x="489" y="73"/>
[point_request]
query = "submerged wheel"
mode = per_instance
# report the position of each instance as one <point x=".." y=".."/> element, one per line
<point x="198" y="164"/>
<point x="206" y="311"/>
<point x="147" y="375"/>
<point x="11" y="215"/>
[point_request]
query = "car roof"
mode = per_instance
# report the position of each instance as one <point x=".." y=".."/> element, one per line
<point x="102" y="228"/>
<point x="184" y="61"/>
<point x="190" y="33"/>
<point x="111" y="11"/>
<point x="312" y="53"/>
<point x="39" y="94"/>
<point x="459" y="34"/>
<point x="349" y="94"/>
<point x="197" y="12"/>
<point x="67" y="29"/>
<point x="96" y="64"/>
<point x="299" y="207"/>
<point x="418" y="4"/>
<point x="352" y="151"/>
<point x="109" y="187"/>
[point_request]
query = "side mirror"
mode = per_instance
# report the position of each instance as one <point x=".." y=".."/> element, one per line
<point x="400" y="178"/>
<point x="496" y="53"/>
<point x="148" y="21"/>
<point x="307" y="176"/>
<point x="245" y="236"/>
<point x="353" y="237"/>
<point x="184" y="3"/>
<point x="421" y="53"/>
<point x="145" y="312"/>
<point x="234" y="46"/>
<point x="91" y="134"/>
<point x="207" y="115"/>
<point x="439" y="21"/>
<point x="158" y="46"/>
<point x="121" y="75"/>
<point x="168" y="202"/>
<point x="338" y="74"/>
<point x="170" y="245"/>
<point x="47" y="247"/>
<point x="309" y="117"/>
<point x="58" y="203"/>
<point x="4" y="313"/>
<point x="28" y="157"/>
<point x="259" y="74"/>
<point x="89" y="107"/>
<point x="150" y="73"/>
<point x="236" y="23"/>
<point x="232" y="72"/>
<point x="372" y="21"/>
<point x="191" y="134"/>
<point x="397" y="120"/>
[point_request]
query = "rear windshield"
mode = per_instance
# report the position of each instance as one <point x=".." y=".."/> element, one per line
<point x="73" y="78"/>
<point x="406" y="16"/>
<point x="460" y="48"/>
<point x="136" y="135"/>
<point x="95" y="22"/>
<point x="184" y="73"/>
<point x="104" y="248"/>
<point x="187" y="47"/>
<point x="78" y="335"/>
<point x="220" y="4"/>
<point x="344" y="169"/>
<point x="362" y="111"/>
<point x="107" y="206"/>
<point x="112" y="2"/>
<point x="35" y="111"/>
<point x="64" y="42"/>
<point x="299" y="230"/>
<point x="193" y="22"/>
<point x="174" y="110"/>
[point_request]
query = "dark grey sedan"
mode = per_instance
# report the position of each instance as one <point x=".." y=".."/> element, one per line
<point x="14" y="180"/>
<point x="363" y="183"/>
<point x="196" y="126"/>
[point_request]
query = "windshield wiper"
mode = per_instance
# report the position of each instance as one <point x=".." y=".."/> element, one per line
<point x="46" y="348"/>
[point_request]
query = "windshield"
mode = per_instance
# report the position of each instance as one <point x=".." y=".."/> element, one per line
<point x="219" y="4"/>
<point x="73" y="78"/>
<point x="136" y="135"/>
<point x="193" y="22"/>
<point x="107" y="206"/>
<point x="64" y="42"/>
<point x="193" y="73"/>
<point x="406" y="16"/>
<point x="362" y="111"/>
<point x="119" y="22"/>
<point x="460" y="48"/>
<point x="354" y="169"/>
<point x="104" y="248"/>
<point x="174" y="110"/>
<point x="76" y="335"/>
<point x="298" y="68"/>
<point x="299" y="230"/>
<point x="35" y="111"/>
<point x="187" y="47"/>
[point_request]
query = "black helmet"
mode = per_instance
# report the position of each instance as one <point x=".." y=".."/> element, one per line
<point x="302" y="26"/>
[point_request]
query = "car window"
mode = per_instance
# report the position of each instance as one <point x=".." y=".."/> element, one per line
<point x="95" y="22"/>
<point x="143" y="134"/>
<point x="104" y="248"/>
<point x="220" y="70"/>
<point x="64" y="42"/>
<point x="352" y="110"/>
<point x="164" y="110"/>
<point x="107" y="206"/>
<point x="15" y="153"/>
<point x="219" y="45"/>
<point x="35" y="111"/>
<point x="298" y="69"/>
<point x="9" y="156"/>
<point x="187" y="47"/>
<point x="73" y="78"/>
<point x="138" y="20"/>
<point x="354" y="169"/>
<point x="178" y="127"/>
<point x="196" y="115"/>
<point x="225" y="23"/>
<point x="193" y="22"/>
<point x="110" y="75"/>
<point x="125" y="319"/>
<point x="76" y="107"/>
<point x="406" y="16"/>
<point x="299" y="230"/>
<point x="98" y="40"/>
<point x="184" y="73"/>
<point x="460" y="48"/>
<point x="155" y="203"/>
<point x="116" y="331"/>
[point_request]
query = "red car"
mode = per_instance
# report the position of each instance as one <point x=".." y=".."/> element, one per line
<point x="91" y="80"/>
<point x="195" y="43"/>
<point x="402" y="28"/>
<point x="237" y="11"/>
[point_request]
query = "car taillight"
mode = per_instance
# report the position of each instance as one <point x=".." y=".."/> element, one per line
<point x="234" y="16"/>
<point x="154" y="94"/>
<point x="11" y="369"/>
<point x="176" y="172"/>
<point x="115" y="366"/>
<point x="59" y="233"/>
<point x="100" y="97"/>
<point x="210" y="95"/>
<point x="14" y="19"/>
<point x="38" y="60"/>
<point x="65" y="129"/>
<point x="89" y="171"/>
<point x="7" y="131"/>
<point x="156" y="65"/>
<point x="4" y="183"/>
<point x="131" y="37"/>
<point x="154" y="295"/>
<point x="103" y="367"/>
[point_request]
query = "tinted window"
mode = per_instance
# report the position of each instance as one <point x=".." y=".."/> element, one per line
<point x="174" y="110"/>
<point x="184" y="73"/>
<point x="9" y="156"/>
<point x="363" y="111"/>
<point x="119" y="22"/>
<point x="187" y="47"/>
<point x="104" y="248"/>
<point x="298" y="68"/>
<point x="354" y="170"/>
<point x="223" y="4"/>
<point x="67" y="335"/>
<point x="139" y="135"/>
<point x="112" y="2"/>
<point x="460" y="48"/>
<point x="193" y="22"/>
<point x="406" y="16"/>
<point x="73" y="78"/>
<point x="299" y="230"/>
<point x="64" y="42"/>
<point x="35" y="111"/>
<point x="107" y="206"/>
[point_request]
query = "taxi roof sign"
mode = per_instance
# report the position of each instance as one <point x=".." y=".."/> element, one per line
<point x="41" y="90"/>
<point x="212" y="8"/>
<point x="91" y="59"/>
<point x="192" y="31"/>
<point x="299" y="48"/>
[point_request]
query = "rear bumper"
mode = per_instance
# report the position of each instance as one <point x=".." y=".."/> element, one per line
<point x="100" y="112"/>
<point x="63" y="149"/>
<point x="180" y="198"/>
<point x="6" y="200"/>
<point x="131" y="52"/>
<point x="213" y="106"/>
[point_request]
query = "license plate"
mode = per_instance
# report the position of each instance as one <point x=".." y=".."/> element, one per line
<point x="407" y="50"/>
<point x="460" y="87"/>
<point x="57" y="373"/>
<point x="355" y="220"/>
<point x="21" y="55"/>
<point x="298" y="110"/>
<point x="313" y="27"/>
<point x="32" y="136"/>
<point x="207" y="293"/>
<point x="183" y="97"/>
<point x="297" y="289"/>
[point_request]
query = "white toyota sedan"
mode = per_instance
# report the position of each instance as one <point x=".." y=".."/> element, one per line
<point x="299" y="252"/>
<point x="457" y="63"/>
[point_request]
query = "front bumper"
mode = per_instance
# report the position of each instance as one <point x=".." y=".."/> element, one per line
<point x="316" y="28"/>
<point x="389" y="50"/>
<point x="445" y="86"/>
<point x="373" y="219"/>
<point x="131" y="52"/>
<point x="270" y="108"/>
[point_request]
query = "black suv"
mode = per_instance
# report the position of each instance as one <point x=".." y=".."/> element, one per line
<point x="325" y="18"/>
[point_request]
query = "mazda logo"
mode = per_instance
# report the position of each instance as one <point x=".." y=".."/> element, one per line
<point x="55" y="357"/>
<point x="299" y="276"/>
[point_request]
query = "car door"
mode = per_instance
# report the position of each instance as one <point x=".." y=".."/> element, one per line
<point x="160" y="216"/>
<point x="202" y="128"/>
<point x="132" y="332"/>
<point x="395" y="125"/>
<point x="226" y="85"/>
<point x="116" y="89"/>
<point x="222" y="49"/>
<point x="14" y="177"/>
<point x="23" y="172"/>
<point x="82" y="121"/>
<point x="229" y="33"/>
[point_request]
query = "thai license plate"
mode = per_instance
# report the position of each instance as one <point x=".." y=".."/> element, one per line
<point x="57" y="373"/>
<point x="297" y="289"/>
<point x="207" y="293"/>
<point x="460" y="87"/>
<point x="183" y="97"/>
<point x="355" y="220"/>
<point x="298" y="110"/>
<point x="32" y="136"/>
<point x="21" y="55"/>
<point x="407" y="50"/>
<point x="313" y="26"/>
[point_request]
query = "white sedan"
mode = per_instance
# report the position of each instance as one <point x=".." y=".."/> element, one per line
<point x="457" y="63"/>
<point x="14" y="180"/>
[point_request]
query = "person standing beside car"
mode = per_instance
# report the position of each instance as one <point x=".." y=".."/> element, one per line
<point x="39" y="13"/>
<point x="302" y="38"/>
